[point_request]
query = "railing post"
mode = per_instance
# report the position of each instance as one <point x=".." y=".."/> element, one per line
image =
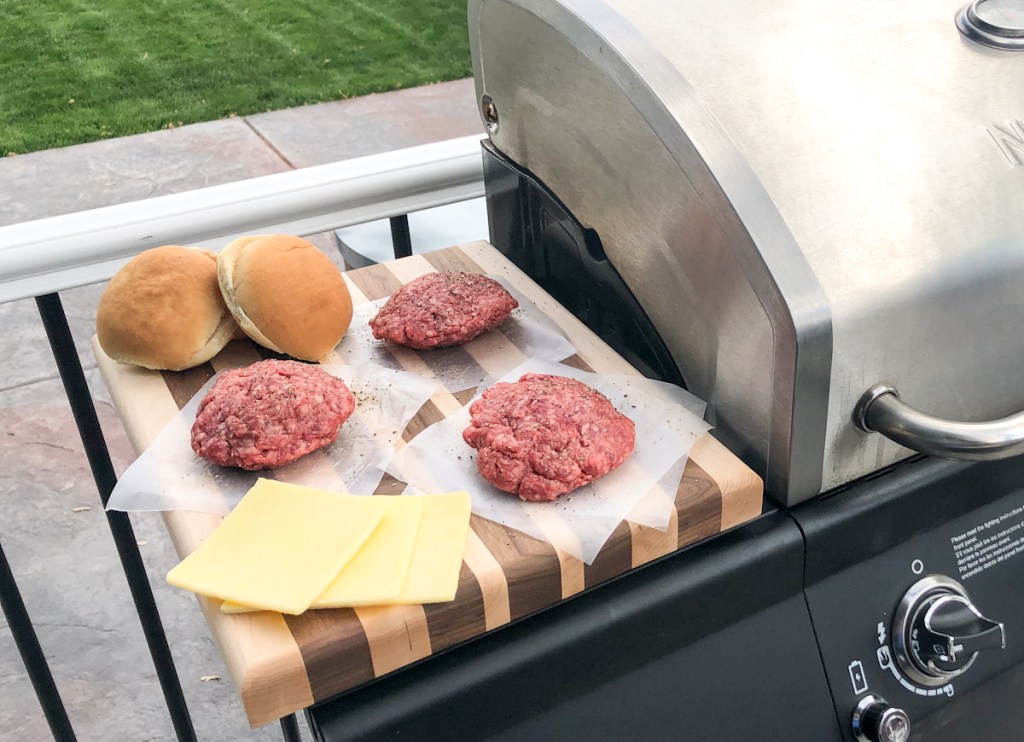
<point x="290" y="728"/>
<point x="32" y="655"/>
<point x="401" y="241"/>
<point x="77" y="390"/>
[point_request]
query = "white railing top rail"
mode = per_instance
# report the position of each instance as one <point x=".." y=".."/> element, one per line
<point x="57" y="253"/>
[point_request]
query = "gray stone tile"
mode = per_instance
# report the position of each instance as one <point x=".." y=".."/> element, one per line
<point x="328" y="132"/>
<point x="88" y="176"/>
<point x="71" y="580"/>
<point x="432" y="112"/>
<point x="24" y="350"/>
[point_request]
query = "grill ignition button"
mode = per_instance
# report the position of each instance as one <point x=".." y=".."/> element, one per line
<point x="874" y="720"/>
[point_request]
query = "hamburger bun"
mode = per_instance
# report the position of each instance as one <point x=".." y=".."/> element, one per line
<point x="285" y="294"/>
<point x="163" y="310"/>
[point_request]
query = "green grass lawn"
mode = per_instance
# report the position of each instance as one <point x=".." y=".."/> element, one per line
<point x="73" y="71"/>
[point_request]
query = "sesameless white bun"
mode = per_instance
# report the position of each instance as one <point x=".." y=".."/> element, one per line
<point x="163" y="310"/>
<point x="285" y="294"/>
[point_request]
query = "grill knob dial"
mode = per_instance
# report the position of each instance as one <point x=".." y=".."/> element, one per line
<point x="874" y="720"/>
<point x="937" y="631"/>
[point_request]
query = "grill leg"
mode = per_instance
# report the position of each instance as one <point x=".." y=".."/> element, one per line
<point x="401" y="241"/>
<point x="290" y="728"/>
<point x="32" y="655"/>
<point x="63" y="346"/>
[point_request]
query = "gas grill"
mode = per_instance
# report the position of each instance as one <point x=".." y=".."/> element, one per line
<point x="809" y="214"/>
<point x="812" y="216"/>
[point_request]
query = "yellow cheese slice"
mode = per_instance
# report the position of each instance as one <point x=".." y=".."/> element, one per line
<point x="376" y="574"/>
<point x="433" y="575"/>
<point x="280" y="547"/>
<point x="228" y="607"/>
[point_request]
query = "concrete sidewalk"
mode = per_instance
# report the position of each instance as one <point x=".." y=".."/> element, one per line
<point x="53" y="529"/>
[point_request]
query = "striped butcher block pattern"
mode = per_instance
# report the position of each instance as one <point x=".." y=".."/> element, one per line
<point x="284" y="663"/>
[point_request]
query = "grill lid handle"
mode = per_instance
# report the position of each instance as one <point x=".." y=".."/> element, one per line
<point x="880" y="410"/>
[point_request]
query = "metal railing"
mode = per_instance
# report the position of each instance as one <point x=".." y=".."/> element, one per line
<point x="38" y="259"/>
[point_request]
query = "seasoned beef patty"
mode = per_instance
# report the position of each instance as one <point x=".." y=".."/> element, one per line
<point x="441" y="309"/>
<point x="270" y="413"/>
<point x="544" y="436"/>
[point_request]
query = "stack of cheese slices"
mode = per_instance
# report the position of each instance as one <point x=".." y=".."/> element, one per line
<point x="290" y="548"/>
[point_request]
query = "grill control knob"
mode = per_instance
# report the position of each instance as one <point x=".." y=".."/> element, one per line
<point x="937" y="631"/>
<point x="874" y="720"/>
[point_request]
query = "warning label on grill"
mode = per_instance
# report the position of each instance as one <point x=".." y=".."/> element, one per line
<point x="989" y="543"/>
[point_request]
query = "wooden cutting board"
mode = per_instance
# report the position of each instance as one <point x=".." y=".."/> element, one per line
<point x="281" y="664"/>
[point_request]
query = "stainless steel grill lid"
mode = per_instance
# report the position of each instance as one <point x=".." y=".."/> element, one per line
<point x="808" y="198"/>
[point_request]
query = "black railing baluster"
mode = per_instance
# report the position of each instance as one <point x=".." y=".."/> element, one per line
<point x="32" y="655"/>
<point x="77" y="390"/>
<point x="401" y="241"/>
<point x="290" y="728"/>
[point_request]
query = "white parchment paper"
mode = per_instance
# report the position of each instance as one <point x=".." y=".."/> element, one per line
<point x="527" y="333"/>
<point x="170" y="476"/>
<point x="668" y="422"/>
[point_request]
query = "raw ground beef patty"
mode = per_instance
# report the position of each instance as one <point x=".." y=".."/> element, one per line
<point x="544" y="436"/>
<point x="442" y="309"/>
<point x="270" y="413"/>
